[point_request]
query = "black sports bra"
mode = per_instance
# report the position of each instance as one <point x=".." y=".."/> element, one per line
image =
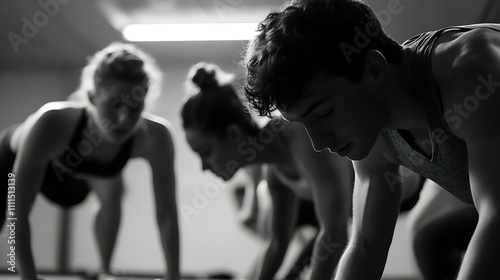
<point x="73" y="160"/>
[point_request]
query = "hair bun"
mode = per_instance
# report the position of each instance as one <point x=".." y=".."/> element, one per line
<point x="205" y="78"/>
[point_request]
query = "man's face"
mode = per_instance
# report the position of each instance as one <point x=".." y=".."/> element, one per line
<point x="341" y="116"/>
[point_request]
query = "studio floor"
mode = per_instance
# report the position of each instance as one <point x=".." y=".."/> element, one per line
<point x="73" y="277"/>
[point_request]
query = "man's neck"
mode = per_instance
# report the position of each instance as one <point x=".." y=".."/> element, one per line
<point x="407" y="110"/>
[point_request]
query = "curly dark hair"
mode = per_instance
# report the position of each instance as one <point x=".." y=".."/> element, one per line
<point x="306" y="38"/>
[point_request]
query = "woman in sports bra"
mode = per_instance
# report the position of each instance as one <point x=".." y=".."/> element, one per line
<point x="226" y="138"/>
<point x="66" y="149"/>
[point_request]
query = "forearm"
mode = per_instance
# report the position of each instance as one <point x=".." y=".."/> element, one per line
<point x="23" y="248"/>
<point x="169" y="234"/>
<point x="270" y="260"/>
<point x="359" y="263"/>
<point x="482" y="258"/>
<point x="327" y="252"/>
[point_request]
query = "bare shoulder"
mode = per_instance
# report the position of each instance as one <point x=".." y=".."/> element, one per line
<point x="157" y="120"/>
<point x="467" y="71"/>
<point x="53" y="124"/>
<point x="157" y="127"/>
<point x="454" y="51"/>
<point x="154" y="135"/>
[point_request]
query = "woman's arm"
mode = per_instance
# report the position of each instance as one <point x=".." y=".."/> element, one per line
<point x="160" y="153"/>
<point x="285" y="206"/>
<point x="42" y="139"/>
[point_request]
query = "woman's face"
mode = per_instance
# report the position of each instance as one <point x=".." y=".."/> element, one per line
<point x="217" y="155"/>
<point x="117" y="109"/>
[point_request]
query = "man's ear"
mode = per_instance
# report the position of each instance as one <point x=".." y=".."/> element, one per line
<point x="234" y="133"/>
<point x="375" y="66"/>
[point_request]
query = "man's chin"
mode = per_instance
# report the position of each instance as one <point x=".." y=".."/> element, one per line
<point x="357" y="155"/>
<point x="355" y="158"/>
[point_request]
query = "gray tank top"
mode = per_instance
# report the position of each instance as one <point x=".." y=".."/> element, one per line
<point x="448" y="165"/>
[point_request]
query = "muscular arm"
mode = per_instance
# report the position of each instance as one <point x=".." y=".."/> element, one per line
<point x="482" y="255"/>
<point x="161" y="158"/>
<point x="33" y="155"/>
<point x="475" y="77"/>
<point x="330" y="177"/>
<point x="283" y="222"/>
<point x="375" y="211"/>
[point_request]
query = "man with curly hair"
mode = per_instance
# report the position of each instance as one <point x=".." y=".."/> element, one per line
<point x="430" y="104"/>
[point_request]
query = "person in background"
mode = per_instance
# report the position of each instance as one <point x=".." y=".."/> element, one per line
<point x="220" y="130"/>
<point x="67" y="149"/>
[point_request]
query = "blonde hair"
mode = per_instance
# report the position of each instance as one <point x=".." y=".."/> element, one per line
<point x="120" y="62"/>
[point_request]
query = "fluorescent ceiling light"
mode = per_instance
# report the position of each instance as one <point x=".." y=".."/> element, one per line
<point x="190" y="32"/>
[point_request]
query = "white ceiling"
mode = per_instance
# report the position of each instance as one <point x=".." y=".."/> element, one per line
<point x="79" y="28"/>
